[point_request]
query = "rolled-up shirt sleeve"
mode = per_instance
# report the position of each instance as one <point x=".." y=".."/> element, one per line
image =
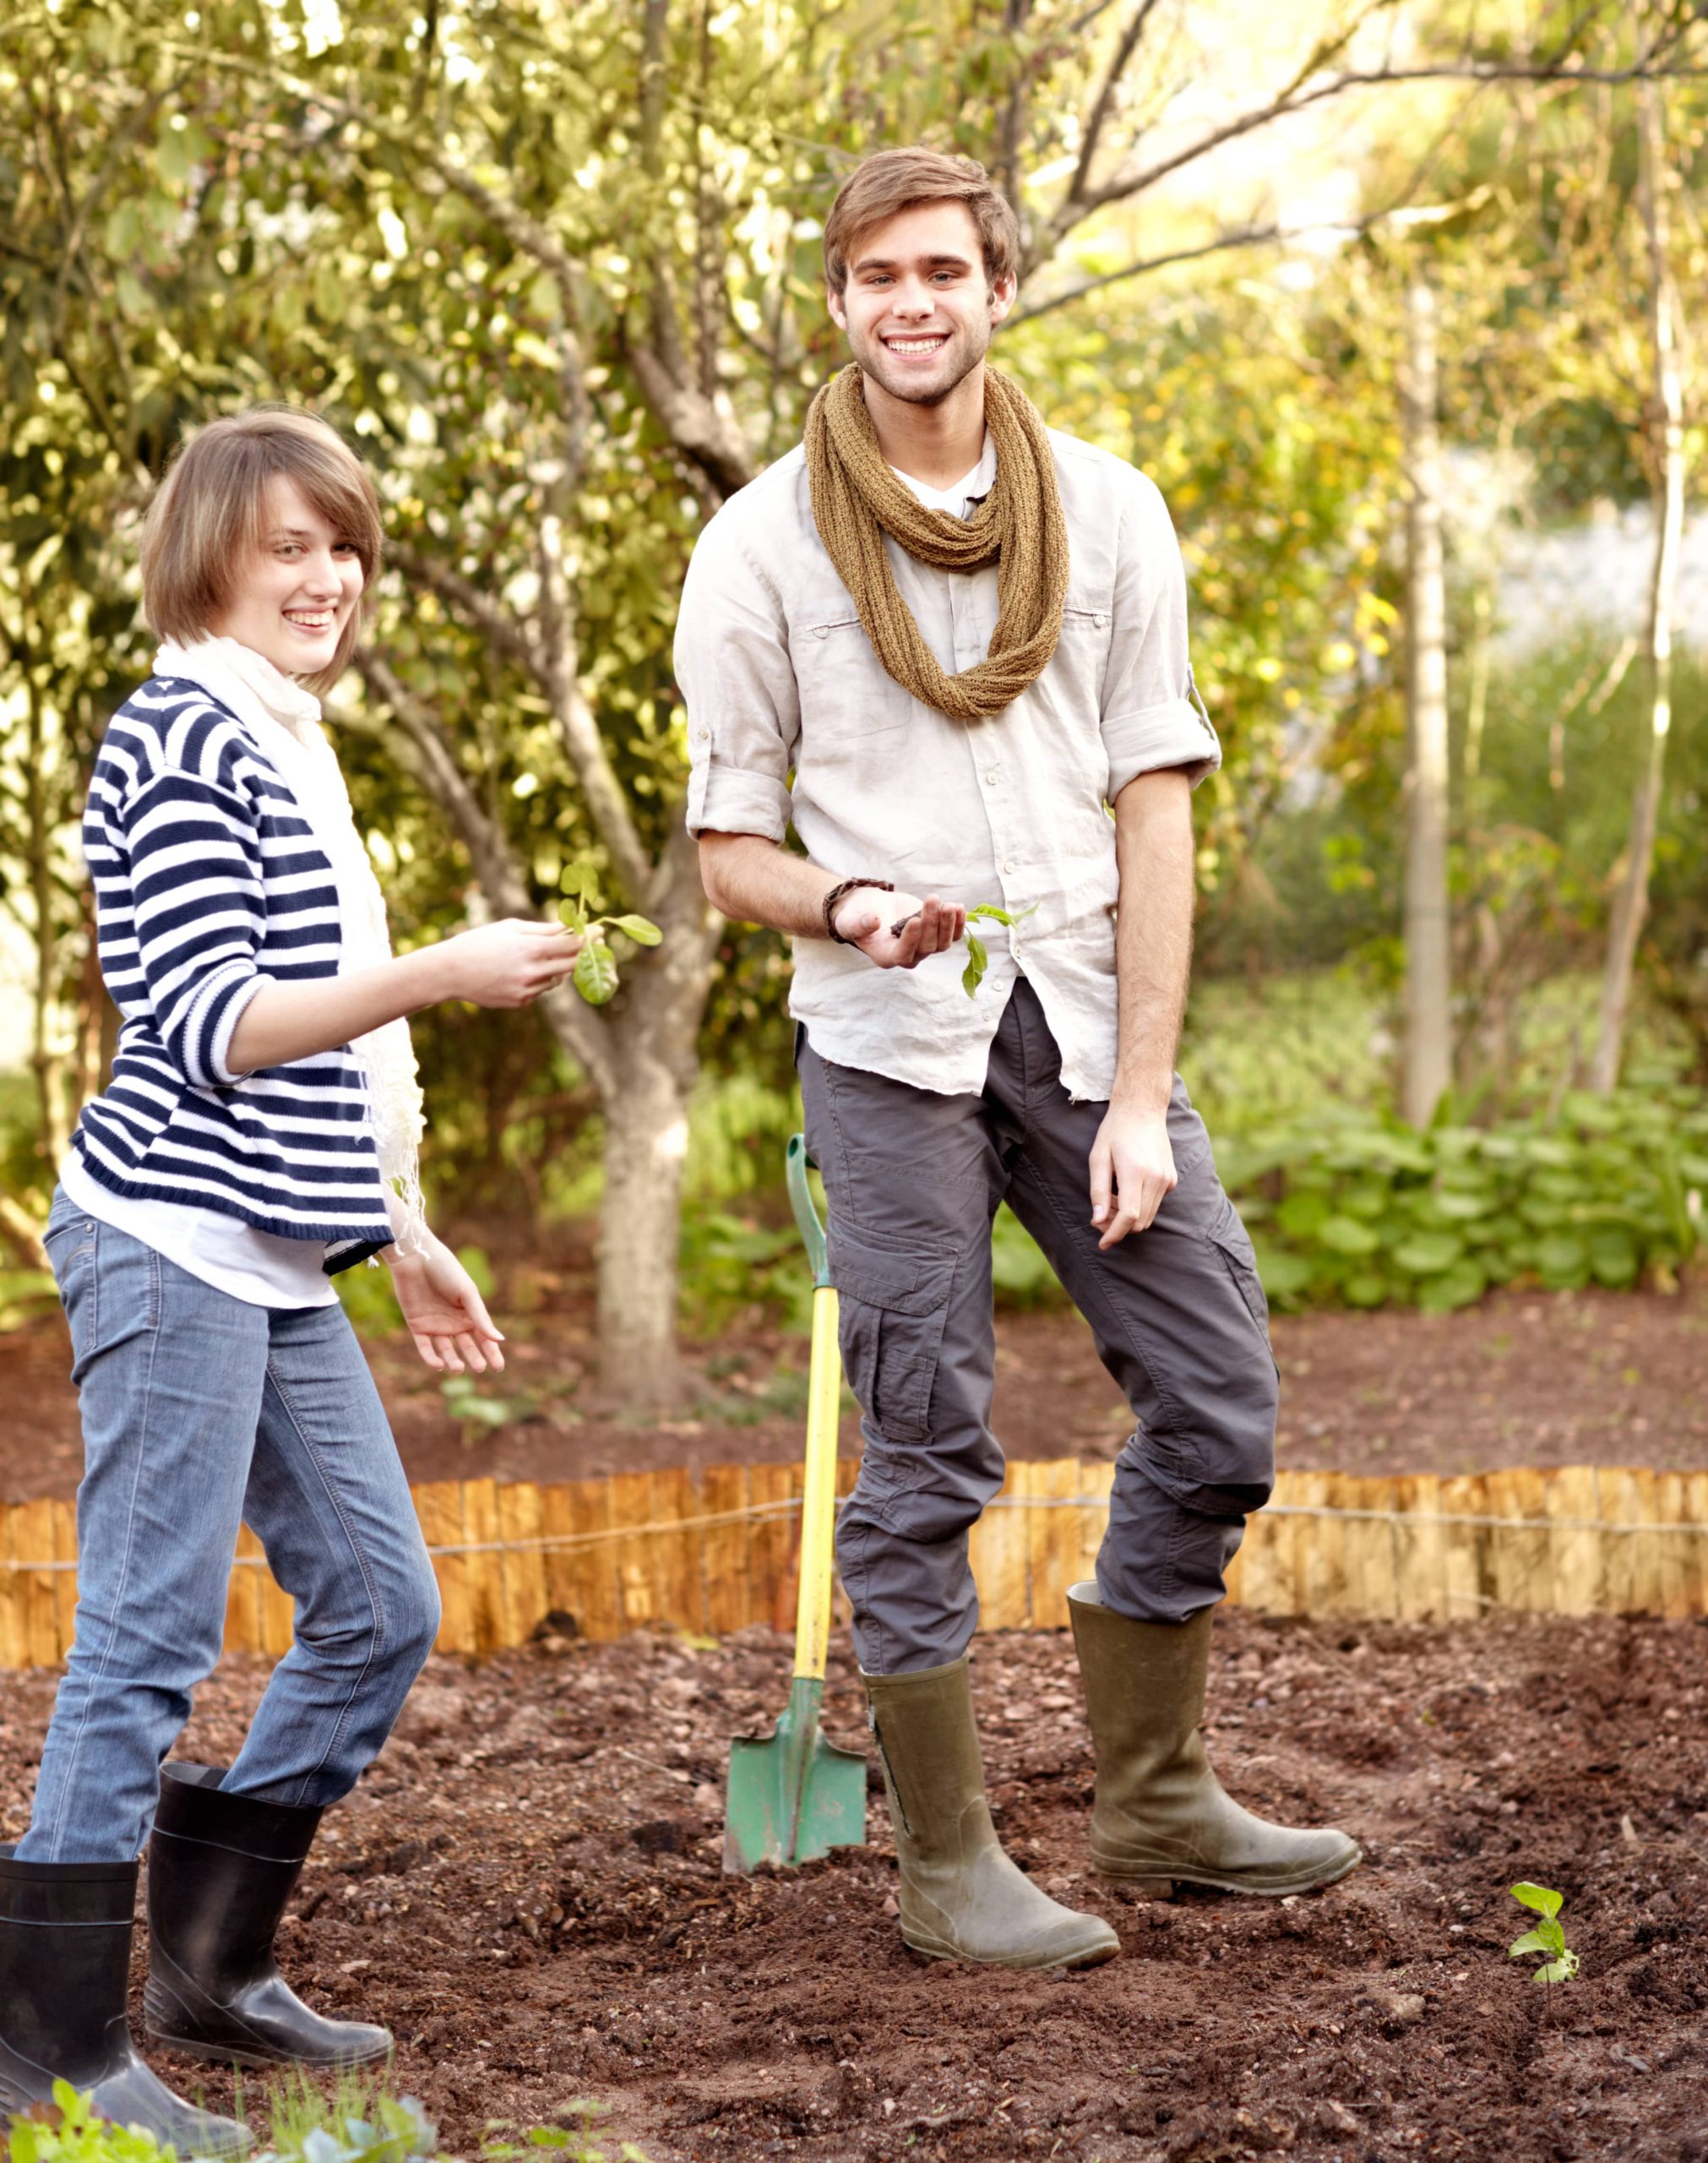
<point x="738" y="681"/>
<point x="1152" y="715"/>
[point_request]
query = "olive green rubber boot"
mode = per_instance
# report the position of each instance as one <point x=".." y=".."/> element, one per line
<point x="1161" y="1812"/>
<point x="961" y="1898"/>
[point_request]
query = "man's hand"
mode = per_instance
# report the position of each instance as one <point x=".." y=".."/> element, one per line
<point x="443" y="1312"/>
<point x="898" y="931"/>
<point x="1131" y="1168"/>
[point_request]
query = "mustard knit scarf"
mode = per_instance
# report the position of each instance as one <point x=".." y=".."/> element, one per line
<point x="857" y="499"/>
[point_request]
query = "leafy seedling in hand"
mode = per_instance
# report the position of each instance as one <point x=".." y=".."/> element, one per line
<point x="1549" y="1936"/>
<point x="977" y="960"/>
<point x="596" y="966"/>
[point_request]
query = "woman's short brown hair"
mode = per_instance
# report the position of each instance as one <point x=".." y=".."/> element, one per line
<point x="210" y="511"/>
<point x="889" y="182"/>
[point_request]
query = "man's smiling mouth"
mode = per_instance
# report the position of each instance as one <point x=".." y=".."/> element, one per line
<point x="916" y="345"/>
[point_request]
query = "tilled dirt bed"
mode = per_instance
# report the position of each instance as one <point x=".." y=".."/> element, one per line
<point x="527" y="1886"/>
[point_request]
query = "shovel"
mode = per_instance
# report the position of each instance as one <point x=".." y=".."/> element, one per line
<point x="793" y="1795"/>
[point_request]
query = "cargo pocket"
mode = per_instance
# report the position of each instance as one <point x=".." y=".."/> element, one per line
<point x="893" y="1307"/>
<point x="1233" y="1242"/>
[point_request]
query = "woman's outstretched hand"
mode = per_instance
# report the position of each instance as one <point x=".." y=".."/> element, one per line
<point x="443" y="1312"/>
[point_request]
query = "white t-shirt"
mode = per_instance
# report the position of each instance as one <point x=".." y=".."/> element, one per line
<point x="972" y="487"/>
<point x="261" y="1267"/>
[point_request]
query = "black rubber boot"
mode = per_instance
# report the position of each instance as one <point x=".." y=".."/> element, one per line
<point x="65" y="1933"/>
<point x="220" y="1869"/>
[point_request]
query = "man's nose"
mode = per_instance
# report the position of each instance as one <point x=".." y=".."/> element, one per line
<point x="913" y="297"/>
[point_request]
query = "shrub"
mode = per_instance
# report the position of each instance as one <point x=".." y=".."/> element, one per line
<point x="1366" y="1213"/>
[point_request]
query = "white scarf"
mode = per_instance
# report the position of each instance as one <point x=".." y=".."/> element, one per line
<point x="285" y="719"/>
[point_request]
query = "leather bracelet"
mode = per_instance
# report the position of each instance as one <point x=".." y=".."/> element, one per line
<point x="840" y="894"/>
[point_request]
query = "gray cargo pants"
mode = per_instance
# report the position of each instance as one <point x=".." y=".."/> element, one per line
<point x="913" y="1179"/>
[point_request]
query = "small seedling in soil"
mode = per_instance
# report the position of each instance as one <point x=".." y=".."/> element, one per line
<point x="977" y="960"/>
<point x="1549" y="1936"/>
<point x="472" y="1412"/>
<point x="596" y="966"/>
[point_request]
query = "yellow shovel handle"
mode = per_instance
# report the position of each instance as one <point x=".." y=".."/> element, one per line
<point x="818" y="1503"/>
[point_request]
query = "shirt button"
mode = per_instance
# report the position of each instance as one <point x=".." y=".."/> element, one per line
<point x="990" y="778"/>
<point x="1102" y="621"/>
<point x="1008" y="870"/>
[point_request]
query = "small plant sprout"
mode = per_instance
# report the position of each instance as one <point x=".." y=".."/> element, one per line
<point x="596" y="966"/>
<point x="1547" y="1936"/>
<point x="977" y="960"/>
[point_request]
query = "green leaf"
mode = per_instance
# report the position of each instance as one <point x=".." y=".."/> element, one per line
<point x="1531" y="1941"/>
<point x="988" y="912"/>
<point x="641" y="929"/>
<point x="1366" y="1288"/>
<point x="596" y="972"/>
<point x="1461" y="1286"/>
<point x="1540" y="1898"/>
<point x="1556" y="1971"/>
<point x="1426" y="1253"/>
<point x="977" y="961"/>
<point x="572" y="916"/>
<point x="1347" y="1235"/>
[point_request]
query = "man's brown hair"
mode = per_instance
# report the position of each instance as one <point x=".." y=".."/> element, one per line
<point x="889" y="182"/>
<point x="210" y="511"/>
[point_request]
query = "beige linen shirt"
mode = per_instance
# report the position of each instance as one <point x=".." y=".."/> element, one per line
<point x="793" y="719"/>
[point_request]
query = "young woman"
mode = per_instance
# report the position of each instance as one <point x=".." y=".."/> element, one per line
<point x="258" y="1136"/>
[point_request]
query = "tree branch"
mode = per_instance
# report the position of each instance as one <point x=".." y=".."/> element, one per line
<point x="501" y="628"/>
<point x="1255" y="237"/>
<point x="1295" y="98"/>
<point x="704" y="430"/>
<point x="425" y="755"/>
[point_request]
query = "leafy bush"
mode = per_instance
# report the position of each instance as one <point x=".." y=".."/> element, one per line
<point x="728" y="1263"/>
<point x="1365" y="1212"/>
<point x="1349" y="1208"/>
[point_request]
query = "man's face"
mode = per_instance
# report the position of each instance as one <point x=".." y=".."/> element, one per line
<point x="918" y="308"/>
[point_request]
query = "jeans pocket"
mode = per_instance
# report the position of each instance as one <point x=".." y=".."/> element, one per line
<point x="110" y="1286"/>
<point x="893" y="1306"/>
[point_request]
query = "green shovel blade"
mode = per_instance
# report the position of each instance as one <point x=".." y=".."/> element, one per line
<point x="793" y="1795"/>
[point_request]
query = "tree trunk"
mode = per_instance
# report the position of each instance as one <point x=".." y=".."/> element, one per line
<point x="1631" y="902"/>
<point x="640" y="1231"/>
<point x="1429" y="1045"/>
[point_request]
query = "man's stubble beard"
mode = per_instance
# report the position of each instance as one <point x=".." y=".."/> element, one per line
<point x="873" y="360"/>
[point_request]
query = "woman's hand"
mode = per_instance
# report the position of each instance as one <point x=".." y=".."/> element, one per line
<point x="444" y="1313"/>
<point x="508" y="964"/>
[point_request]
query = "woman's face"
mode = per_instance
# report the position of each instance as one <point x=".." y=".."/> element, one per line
<point x="294" y="594"/>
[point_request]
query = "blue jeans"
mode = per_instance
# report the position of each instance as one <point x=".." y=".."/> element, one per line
<point x="201" y="1412"/>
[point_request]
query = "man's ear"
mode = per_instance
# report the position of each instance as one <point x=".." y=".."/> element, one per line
<point x="1003" y="291"/>
<point x="839" y="314"/>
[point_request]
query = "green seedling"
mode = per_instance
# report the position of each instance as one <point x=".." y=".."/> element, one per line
<point x="1562" y="1963"/>
<point x="596" y="966"/>
<point x="977" y="959"/>
<point x="472" y="1412"/>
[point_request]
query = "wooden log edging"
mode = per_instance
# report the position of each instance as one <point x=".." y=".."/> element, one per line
<point x="711" y="1551"/>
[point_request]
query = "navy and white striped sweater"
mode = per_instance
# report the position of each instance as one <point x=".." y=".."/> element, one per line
<point x="209" y="881"/>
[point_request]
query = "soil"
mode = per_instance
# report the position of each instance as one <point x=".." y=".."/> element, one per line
<point x="527" y="1887"/>
<point x="1525" y="1378"/>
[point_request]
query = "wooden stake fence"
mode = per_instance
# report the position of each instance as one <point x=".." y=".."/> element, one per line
<point x="713" y="1550"/>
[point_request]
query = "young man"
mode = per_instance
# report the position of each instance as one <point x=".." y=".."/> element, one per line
<point x="965" y="635"/>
